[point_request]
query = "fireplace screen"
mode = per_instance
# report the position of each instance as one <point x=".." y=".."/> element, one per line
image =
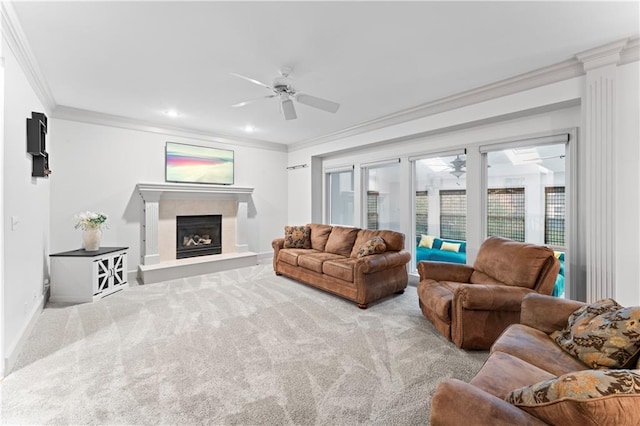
<point x="198" y="236"/>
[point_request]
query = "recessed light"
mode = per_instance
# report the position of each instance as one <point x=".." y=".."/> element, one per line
<point x="249" y="128"/>
<point x="172" y="113"/>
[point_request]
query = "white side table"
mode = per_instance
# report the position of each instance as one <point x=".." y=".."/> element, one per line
<point x="79" y="276"/>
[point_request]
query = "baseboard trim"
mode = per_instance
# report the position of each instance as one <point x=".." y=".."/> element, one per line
<point x="13" y="353"/>
<point x="265" y="257"/>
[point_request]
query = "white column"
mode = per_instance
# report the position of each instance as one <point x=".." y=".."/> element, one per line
<point x="2" y="220"/>
<point x="242" y="231"/>
<point x="599" y="115"/>
<point x="150" y="251"/>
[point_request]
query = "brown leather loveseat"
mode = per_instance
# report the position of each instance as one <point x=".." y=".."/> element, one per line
<point x="348" y="262"/>
<point x="472" y="305"/>
<point x="529" y="379"/>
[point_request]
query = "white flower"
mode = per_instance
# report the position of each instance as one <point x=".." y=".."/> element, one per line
<point x="88" y="220"/>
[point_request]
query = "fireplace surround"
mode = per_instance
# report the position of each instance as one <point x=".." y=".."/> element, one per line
<point x="163" y="201"/>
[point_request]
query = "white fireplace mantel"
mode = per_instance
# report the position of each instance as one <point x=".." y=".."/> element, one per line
<point x="155" y="191"/>
<point x="151" y="194"/>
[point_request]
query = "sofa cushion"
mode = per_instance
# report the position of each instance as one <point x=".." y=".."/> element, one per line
<point x="536" y="348"/>
<point x="314" y="261"/>
<point x="297" y="237"/>
<point x="319" y="235"/>
<point x="341" y="240"/>
<point x="375" y="245"/>
<point x="590" y="397"/>
<point x="502" y="373"/>
<point x="478" y="277"/>
<point x="340" y="268"/>
<point x="511" y="262"/>
<point x="602" y="335"/>
<point x="290" y="256"/>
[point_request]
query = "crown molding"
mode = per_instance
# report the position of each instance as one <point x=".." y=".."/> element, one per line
<point x="17" y="42"/>
<point x="561" y="71"/>
<point x="62" y="112"/>
<point x="631" y="52"/>
<point x="608" y="54"/>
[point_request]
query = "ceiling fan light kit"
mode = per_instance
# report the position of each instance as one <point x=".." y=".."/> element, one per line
<point x="288" y="110"/>
<point x="458" y="167"/>
<point x="282" y="89"/>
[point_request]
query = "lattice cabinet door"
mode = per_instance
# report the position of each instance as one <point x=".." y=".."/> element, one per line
<point x="111" y="272"/>
<point x="119" y="269"/>
<point x="103" y="275"/>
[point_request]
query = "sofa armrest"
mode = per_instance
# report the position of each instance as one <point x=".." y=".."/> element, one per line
<point x="382" y="261"/>
<point x="547" y="313"/>
<point x="490" y="297"/>
<point x="444" y="271"/>
<point x="458" y="403"/>
<point x="277" y="244"/>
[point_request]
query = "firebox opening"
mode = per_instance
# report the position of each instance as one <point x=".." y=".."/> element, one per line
<point x="198" y="235"/>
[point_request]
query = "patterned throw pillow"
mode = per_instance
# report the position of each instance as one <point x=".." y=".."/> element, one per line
<point x="602" y="335"/>
<point x="375" y="245"/>
<point x="297" y="237"/>
<point x="587" y="397"/>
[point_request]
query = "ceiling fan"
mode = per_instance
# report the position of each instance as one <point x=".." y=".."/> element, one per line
<point x="458" y="166"/>
<point x="285" y="93"/>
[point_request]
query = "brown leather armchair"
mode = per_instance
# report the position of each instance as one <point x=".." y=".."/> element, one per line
<point x="471" y="306"/>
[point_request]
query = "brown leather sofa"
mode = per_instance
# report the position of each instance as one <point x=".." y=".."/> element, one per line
<point x="522" y="356"/>
<point x="471" y="306"/>
<point x="331" y="263"/>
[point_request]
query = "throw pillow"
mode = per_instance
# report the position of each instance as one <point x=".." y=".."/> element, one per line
<point x="375" y="245"/>
<point x="602" y="335"/>
<point x="426" y="241"/>
<point x="297" y="237"/>
<point x="450" y="247"/>
<point x="588" y="397"/>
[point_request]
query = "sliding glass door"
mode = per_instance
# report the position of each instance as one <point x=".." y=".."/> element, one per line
<point x="525" y="199"/>
<point x="440" y="208"/>
<point x="340" y="197"/>
<point x="381" y="203"/>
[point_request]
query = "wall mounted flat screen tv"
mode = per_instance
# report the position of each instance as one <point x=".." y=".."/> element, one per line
<point x="198" y="164"/>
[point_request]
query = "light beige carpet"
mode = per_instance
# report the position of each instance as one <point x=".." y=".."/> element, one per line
<point x="236" y="347"/>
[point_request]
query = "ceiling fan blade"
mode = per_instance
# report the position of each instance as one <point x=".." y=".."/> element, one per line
<point x="316" y="102"/>
<point x="254" y="81"/>
<point x="241" y="104"/>
<point x="288" y="110"/>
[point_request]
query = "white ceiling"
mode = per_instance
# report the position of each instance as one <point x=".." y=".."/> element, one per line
<point x="140" y="59"/>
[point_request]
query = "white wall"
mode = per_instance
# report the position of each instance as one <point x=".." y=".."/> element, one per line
<point x="97" y="167"/>
<point x="26" y="199"/>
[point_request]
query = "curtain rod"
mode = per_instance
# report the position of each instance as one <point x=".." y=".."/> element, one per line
<point x="299" y="166"/>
